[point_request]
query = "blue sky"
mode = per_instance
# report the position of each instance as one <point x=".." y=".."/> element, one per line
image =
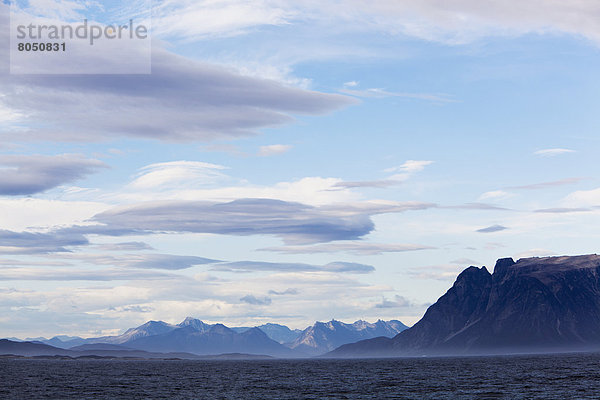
<point x="292" y="162"/>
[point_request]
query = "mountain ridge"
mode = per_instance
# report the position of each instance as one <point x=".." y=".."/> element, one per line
<point x="195" y="336"/>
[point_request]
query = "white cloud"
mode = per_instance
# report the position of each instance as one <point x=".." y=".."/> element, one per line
<point x="61" y="9"/>
<point x="43" y="214"/>
<point x="583" y="198"/>
<point x="273" y="149"/>
<point x="177" y="173"/>
<point x="192" y="179"/>
<point x="401" y="174"/>
<point x="449" y="22"/>
<point x="495" y="195"/>
<point x="406" y="170"/>
<point x="193" y="19"/>
<point x="553" y="152"/>
<point x="7" y="114"/>
<point x="465" y="20"/>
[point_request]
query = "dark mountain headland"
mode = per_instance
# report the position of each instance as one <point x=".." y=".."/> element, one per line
<point x="536" y="305"/>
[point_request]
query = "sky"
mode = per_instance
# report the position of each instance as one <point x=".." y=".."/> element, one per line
<point x="291" y="162"/>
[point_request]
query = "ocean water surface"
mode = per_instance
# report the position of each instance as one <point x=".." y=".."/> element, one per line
<point x="568" y="376"/>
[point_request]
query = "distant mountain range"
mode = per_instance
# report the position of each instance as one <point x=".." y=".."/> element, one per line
<point x="535" y="305"/>
<point x="216" y="340"/>
<point x="326" y="336"/>
<point x="192" y="336"/>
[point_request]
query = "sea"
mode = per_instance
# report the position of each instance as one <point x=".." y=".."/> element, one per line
<point x="566" y="376"/>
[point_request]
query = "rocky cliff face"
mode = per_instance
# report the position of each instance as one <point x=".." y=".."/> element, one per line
<point x="533" y="305"/>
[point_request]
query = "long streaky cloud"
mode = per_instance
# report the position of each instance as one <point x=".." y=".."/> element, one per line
<point x="76" y="274"/>
<point x="138" y="260"/>
<point x="295" y="223"/>
<point x="359" y="248"/>
<point x="478" y="206"/>
<point x="382" y="93"/>
<point x="31" y="174"/>
<point x="546" y="185"/>
<point x="368" y="184"/>
<point x="181" y="101"/>
<point x="553" y="152"/>
<point x="491" y="229"/>
<point x="562" y="210"/>
<point x="39" y="243"/>
<point x="257" y="266"/>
